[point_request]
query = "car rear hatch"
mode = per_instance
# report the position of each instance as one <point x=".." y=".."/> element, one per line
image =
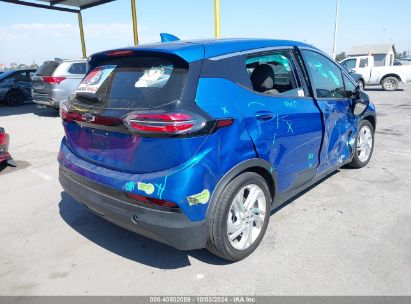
<point x="135" y="112"/>
<point x="42" y="79"/>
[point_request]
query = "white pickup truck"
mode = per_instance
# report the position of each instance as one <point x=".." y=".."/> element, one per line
<point x="387" y="76"/>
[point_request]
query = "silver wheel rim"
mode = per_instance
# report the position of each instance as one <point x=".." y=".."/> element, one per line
<point x="364" y="143"/>
<point x="389" y="84"/>
<point x="246" y="217"/>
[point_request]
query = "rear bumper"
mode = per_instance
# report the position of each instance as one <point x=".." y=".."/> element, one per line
<point x="44" y="100"/>
<point x="172" y="228"/>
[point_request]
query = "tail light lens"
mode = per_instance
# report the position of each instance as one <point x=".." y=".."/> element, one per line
<point x="151" y="200"/>
<point x="53" y="80"/>
<point x="4" y="139"/>
<point x="164" y="123"/>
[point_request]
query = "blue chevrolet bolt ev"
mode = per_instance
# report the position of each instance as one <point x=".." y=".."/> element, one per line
<point x="193" y="143"/>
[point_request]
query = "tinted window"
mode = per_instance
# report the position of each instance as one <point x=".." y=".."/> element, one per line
<point x="134" y="82"/>
<point x="273" y="74"/>
<point x="379" y="60"/>
<point x="349" y="64"/>
<point x="77" y="68"/>
<point x="325" y="75"/>
<point x="47" y="68"/>
<point x="364" y="63"/>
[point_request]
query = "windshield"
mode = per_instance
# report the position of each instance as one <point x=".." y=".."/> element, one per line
<point x="133" y="82"/>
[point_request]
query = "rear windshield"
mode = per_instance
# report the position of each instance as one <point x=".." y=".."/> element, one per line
<point x="133" y="82"/>
<point x="47" y="68"/>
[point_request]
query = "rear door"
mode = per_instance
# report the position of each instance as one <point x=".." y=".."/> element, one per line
<point x="283" y="120"/>
<point x="133" y="113"/>
<point x="340" y="123"/>
<point x="364" y="68"/>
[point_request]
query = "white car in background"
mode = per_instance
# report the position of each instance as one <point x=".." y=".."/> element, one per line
<point x="388" y="76"/>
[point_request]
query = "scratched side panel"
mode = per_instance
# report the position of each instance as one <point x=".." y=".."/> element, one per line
<point x="290" y="141"/>
<point x="339" y="134"/>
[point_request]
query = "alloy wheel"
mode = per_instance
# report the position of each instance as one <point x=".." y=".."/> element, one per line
<point x="364" y="143"/>
<point x="246" y="216"/>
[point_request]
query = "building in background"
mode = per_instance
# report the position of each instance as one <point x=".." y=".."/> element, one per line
<point x="384" y="54"/>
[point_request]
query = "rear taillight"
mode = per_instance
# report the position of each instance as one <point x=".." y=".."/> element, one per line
<point x="151" y="200"/>
<point x="169" y="123"/>
<point x="53" y="80"/>
<point x="4" y="139"/>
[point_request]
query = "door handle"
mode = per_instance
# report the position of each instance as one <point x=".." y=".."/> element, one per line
<point x="263" y="115"/>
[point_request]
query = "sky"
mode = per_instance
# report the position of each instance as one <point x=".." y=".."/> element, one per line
<point x="30" y="35"/>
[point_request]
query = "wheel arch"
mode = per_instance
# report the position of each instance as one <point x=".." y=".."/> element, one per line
<point x="398" y="77"/>
<point x="256" y="165"/>
<point x="372" y="119"/>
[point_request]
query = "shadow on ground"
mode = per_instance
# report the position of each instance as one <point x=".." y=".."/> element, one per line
<point x="133" y="246"/>
<point x="26" y="108"/>
<point x="378" y="89"/>
<point x="126" y="243"/>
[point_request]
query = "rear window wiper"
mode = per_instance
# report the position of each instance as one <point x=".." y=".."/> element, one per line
<point x="88" y="97"/>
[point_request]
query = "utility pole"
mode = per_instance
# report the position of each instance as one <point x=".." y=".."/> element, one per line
<point x="134" y="17"/>
<point x="217" y="18"/>
<point x="335" y="30"/>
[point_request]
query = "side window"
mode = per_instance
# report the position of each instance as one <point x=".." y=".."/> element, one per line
<point x="274" y="74"/>
<point x="77" y="68"/>
<point x="349" y="64"/>
<point x="364" y="63"/>
<point x="349" y="86"/>
<point x="325" y="75"/>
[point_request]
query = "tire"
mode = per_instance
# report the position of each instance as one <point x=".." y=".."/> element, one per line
<point x="359" y="160"/>
<point x="390" y="83"/>
<point x="15" y="98"/>
<point x="222" y="224"/>
<point x="361" y="84"/>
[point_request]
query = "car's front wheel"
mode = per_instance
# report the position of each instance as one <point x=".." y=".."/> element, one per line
<point x="364" y="145"/>
<point x="241" y="217"/>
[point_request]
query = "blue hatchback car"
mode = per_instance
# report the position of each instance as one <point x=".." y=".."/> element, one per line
<point x="193" y="143"/>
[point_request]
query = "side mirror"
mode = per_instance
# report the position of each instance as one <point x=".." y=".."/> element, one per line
<point x="360" y="103"/>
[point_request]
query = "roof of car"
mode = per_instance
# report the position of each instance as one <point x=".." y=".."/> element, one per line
<point x="192" y="50"/>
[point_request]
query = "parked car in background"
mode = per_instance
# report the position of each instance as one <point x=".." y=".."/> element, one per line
<point x="15" y="86"/>
<point x="358" y="79"/>
<point x="5" y="156"/>
<point x="389" y="77"/>
<point x="194" y="143"/>
<point x="55" y="81"/>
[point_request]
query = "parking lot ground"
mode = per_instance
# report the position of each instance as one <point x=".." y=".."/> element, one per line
<point x="349" y="235"/>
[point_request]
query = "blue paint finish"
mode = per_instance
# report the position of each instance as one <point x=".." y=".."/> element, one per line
<point x="297" y="130"/>
<point x="196" y="50"/>
<point x="301" y="134"/>
<point x="130" y="153"/>
<point x="340" y="129"/>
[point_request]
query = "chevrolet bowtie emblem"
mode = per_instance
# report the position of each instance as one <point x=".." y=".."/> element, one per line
<point x="88" y="117"/>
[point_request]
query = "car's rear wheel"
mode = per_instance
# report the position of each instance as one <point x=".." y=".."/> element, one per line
<point x="15" y="98"/>
<point x="364" y="145"/>
<point x="241" y="217"/>
<point x="390" y="83"/>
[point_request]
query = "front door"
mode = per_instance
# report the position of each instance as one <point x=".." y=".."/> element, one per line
<point x="340" y="124"/>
